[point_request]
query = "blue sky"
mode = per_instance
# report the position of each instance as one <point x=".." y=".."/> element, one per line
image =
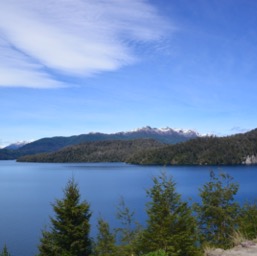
<point x="69" y="67"/>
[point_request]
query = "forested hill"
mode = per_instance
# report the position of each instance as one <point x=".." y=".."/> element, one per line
<point x="100" y="151"/>
<point x="231" y="150"/>
<point x="166" y="135"/>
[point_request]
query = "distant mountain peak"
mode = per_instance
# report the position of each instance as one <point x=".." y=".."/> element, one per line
<point x="164" y="135"/>
<point x="167" y="130"/>
<point x="17" y="145"/>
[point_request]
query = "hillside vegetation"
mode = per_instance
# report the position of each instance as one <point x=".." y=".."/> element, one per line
<point x="46" y="145"/>
<point x="8" y="154"/>
<point x="173" y="226"/>
<point x="231" y="150"/>
<point x="100" y="151"/>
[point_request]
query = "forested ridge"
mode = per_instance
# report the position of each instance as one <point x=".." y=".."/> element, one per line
<point x="53" y="144"/>
<point x="230" y="150"/>
<point x="99" y="151"/>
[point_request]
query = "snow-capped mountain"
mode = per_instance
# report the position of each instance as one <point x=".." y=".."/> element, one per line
<point x="17" y="145"/>
<point x="165" y="131"/>
<point x="164" y="135"/>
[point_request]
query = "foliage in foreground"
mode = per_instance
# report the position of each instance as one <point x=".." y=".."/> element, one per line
<point x="217" y="213"/>
<point x="172" y="227"/>
<point x="69" y="233"/>
<point x="157" y="253"/>
<point x="105" y="240"/>
<point x="5" y="251"/>
<point x="247" y="220"/>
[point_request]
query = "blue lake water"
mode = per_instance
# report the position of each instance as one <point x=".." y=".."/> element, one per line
<point x="28" y="189"/>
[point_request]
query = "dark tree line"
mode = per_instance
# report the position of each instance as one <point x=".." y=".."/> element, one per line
<point x="173" y="227"/>
<point x="230" y="150"/>
<point x="97" y="151"/>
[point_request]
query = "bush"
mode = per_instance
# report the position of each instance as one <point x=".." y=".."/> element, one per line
<point x="217" y="213"/>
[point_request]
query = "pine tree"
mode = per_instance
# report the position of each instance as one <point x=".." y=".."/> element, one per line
<point x="129" y="231"/>
<point x="171" y="227"/>
<point x="157" y="253"/>
<point x="217" y="213"/>
<point x="5" y="251"/>
<point x="69" y="232"/>
<point x="105" y="240"/>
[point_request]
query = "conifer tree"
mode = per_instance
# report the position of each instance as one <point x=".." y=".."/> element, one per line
<point x="217" y="213"/>
<point x="171" y="228"/>
<point x="129" y="230"/>
<point x="5" y="251"/>
<point x="105" y="240"/>
<point x="69" y="231"/>
<point x="157" y="253"/>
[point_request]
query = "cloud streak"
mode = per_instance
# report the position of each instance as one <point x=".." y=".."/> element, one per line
<point x="41" y="40"/>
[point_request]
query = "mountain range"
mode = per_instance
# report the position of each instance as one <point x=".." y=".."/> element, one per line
<point x="16" y="145"/>
<point x="236" y="149"/>
<point x="210" y="150"/>
<point x="46" y="145"/>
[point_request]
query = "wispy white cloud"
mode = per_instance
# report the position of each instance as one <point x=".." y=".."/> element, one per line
<point x="72" y="37"/>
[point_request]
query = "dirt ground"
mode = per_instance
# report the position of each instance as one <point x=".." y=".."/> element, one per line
<point x="246" y="248"/>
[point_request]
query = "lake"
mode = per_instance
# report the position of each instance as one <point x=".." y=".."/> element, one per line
<point x="28" y="189"/>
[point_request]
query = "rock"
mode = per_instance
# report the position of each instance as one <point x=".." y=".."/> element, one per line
<point x="250" y="160"/>
<point x="247" y="244"/>
<point x="246" y="248"/>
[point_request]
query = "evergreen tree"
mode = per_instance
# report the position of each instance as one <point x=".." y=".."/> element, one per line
<point x="105" y="240"/>
<point x="5" y="251"/>
<point x="171" y="227"/>
<point x="69" y="233"/>
<point x="128" y="232"/>
<point x="218" y="212"/>
<point x="156" y="253"/>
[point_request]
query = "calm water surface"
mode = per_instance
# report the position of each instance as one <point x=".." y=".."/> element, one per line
<point x="28" y="189"/>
